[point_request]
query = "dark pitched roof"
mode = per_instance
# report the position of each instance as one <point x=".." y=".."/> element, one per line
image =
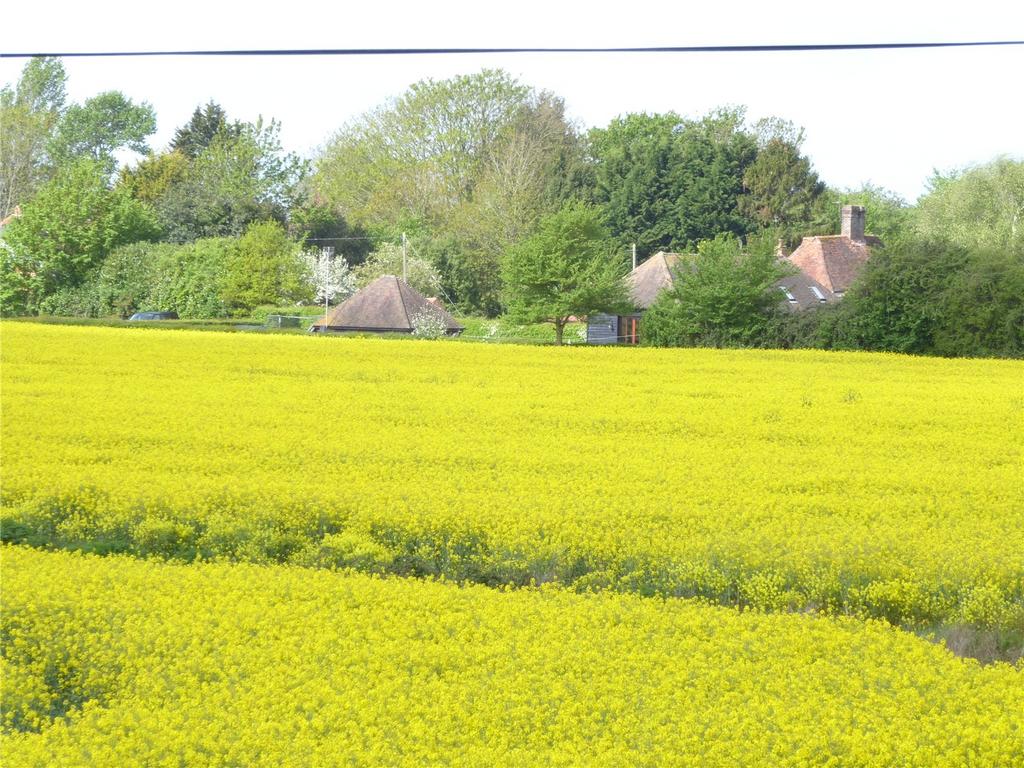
<point x="834" y="261"/>
<point x="386" y="304"/>
<point x="800" y="291"/>
<point x="650" y="278"/>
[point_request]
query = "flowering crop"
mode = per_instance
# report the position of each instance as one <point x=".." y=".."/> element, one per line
<point x="865" y="484"/>
<point x="115" y="661"/>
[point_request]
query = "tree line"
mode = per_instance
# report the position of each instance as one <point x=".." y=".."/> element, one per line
<point x="482" y="174"/>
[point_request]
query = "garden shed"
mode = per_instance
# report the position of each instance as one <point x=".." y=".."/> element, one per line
<point x="387" y="305"/>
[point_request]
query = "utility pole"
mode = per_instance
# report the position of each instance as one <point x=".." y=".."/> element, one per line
<point x="634" y="255"/>
<point x="405" y="261"/>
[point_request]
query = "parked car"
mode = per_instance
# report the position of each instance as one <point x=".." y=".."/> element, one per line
<point x="154" y="316"/>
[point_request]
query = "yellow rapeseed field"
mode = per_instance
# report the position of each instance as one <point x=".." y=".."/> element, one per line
<point x="123" y="662"/>
<point x="866" y="484"/>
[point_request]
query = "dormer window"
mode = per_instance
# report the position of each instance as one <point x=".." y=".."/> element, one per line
<point x="789" y="294"/>
<point x="817" y="292"/>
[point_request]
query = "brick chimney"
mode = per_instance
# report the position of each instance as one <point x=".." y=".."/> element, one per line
<point x="853" y="222"/>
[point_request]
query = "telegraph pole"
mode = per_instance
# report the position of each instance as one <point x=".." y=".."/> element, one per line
<point x="405" y="261"/>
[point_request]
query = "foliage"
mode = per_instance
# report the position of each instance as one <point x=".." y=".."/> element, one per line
<point x="781" y="188"/>
<point x="189" y="277"/>
<point x="338" y="669"/>
<point x="859" y="483"/>
<point x="235" y="181"/>
<point x="101" y="126"/>
<point x="933" y="297"/>
<point x="151" y="178"/>
<point x="667" y="182"/>
<point x="564" y="269"/>
<point x="73" y="222"/>
<point x="387" y="259"/>
<point x="29" y="114"/>
<point x="978" y="208"/>
<point x="318" y="225"/>
<point x="983" y="307"/>
<point x="328" y="276"/>
<point x="264" y="267"/>
<point x="427" y="324"/>
<point x="724" y="296"/>
<point x="207" y="123"/>
<point x="633" y="158"/>
<point x="420" y="154"/>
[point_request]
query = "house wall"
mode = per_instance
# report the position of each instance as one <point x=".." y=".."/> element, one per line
<point x="602" y="329"/>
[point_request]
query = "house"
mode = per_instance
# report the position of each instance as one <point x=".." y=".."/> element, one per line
<point x="826" y="266"/>
<point x="387" y="305"/>
<point x="829" y="264"/>
<point x="645" y="282"/>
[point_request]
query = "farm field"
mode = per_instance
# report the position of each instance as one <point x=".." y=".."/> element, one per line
<point x="119" y="661"/>
<point x="870" y="485"/>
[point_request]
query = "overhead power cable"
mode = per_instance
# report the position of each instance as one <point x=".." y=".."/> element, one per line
<point x="481" y="50"/>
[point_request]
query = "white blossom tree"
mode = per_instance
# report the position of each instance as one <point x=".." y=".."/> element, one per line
<point x="329" y="276"/>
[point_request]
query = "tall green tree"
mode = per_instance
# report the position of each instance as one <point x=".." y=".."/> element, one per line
<point x="563" y="269"/>
<point x="978" y="207"/>
<point x="207" y="122"/>
<point x="101" y="126"/>
<point x="29" y="115"/>
<point x="65" y="231"/>
<point x="419" y="156"/>
<point x="712" y="156"/>
<point x="781" y="188"/>
<point x="633" y="159"/>
<point x="667" y="182"/>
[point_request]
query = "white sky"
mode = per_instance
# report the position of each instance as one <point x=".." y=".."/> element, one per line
<point x="888" y="117"/>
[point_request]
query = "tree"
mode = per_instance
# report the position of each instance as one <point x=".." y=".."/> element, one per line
<point x="724" y="296"/>
<point x="421" y="153"/>
<point x="667" y="182"/>
<point x="319" y="224"/>
<point x="198" y="133"/>
<point x="465" y="166"/>
<point x="264" y="267"/>
<point x="65" y="231"/>
<point x="232" y="183"/>
<point x="781" y="187"/>
<point x="564" y="269"/>
<point x="153" y="176"/>
<point x="711" y="157"/>
<point x="979" y="207"/>
<point x="29" y="114"/>
<point x="327" y="275"/>
<point x="533" y="168"/>
<point x="633" y="160"/>
<point x="101" y="126"/>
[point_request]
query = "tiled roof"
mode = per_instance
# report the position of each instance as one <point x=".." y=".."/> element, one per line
<point x="650" y="278"/>
<point x="800" y="291"/>
<point x="834" y="261"/>
<point x="386" y="304"/>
